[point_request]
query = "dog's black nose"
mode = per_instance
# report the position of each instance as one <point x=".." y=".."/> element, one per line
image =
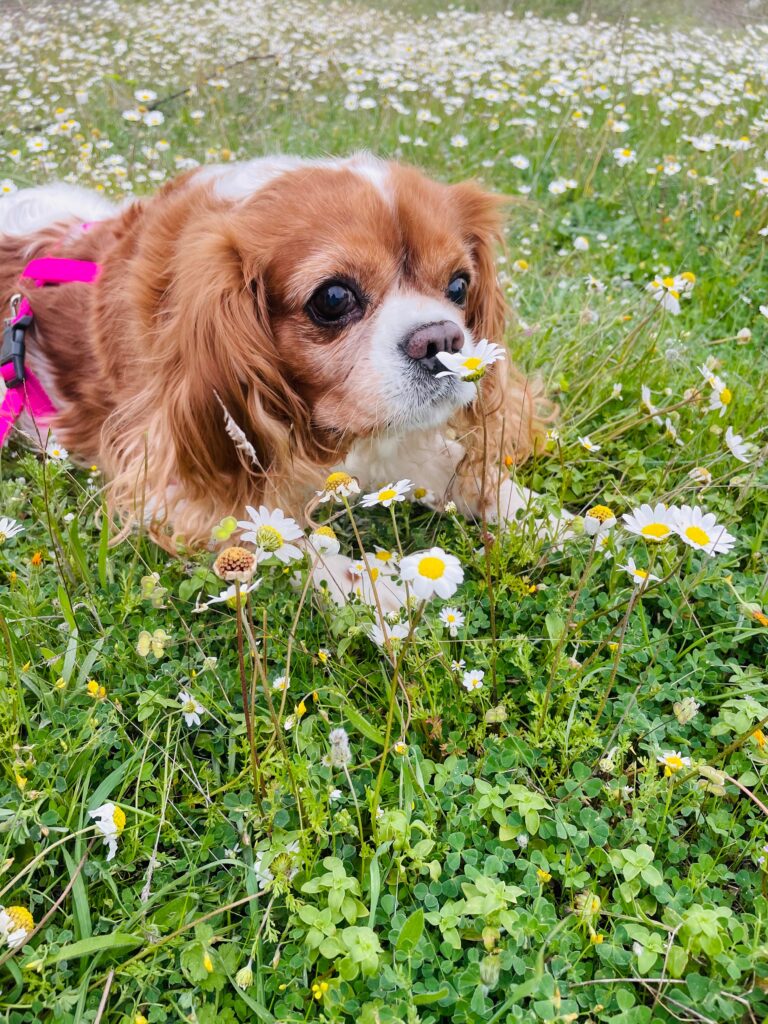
<point x="425" y="342"/>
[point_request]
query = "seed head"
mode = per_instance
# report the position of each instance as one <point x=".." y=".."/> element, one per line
<point x="235" y="564"/>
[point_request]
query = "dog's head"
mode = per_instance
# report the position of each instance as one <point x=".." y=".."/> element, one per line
<point x="314" y="298"/>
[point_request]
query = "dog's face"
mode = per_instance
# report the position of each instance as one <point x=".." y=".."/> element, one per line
<point x="367" y="279"/>
<point x="320" y="301"/>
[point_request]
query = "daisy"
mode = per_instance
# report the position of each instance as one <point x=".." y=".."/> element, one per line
<point x="385" y="556"/>
<point x="16" y="925"/>
<point x="154" y="118"/>
<point x="581" y="243"/>
<point x="190" y="708"/>
<point x="382" y="636"/>
<point x="673" y="761"/>
<point x="587" y="442"/>
<point x="458" y="666"/>
<point x="640" y="577"/>
<point x="271" y="532"/>
<point x="228" y="596"/>
<point x="387" y="495"/>
<point x="281" y="683"/>
<point x="740" y="449"/>
<point x="598" y="520"/>
<point x="663" y="290"/>
<point x="8" y="187"/>
<point x="700" y="530"/>
<point x="432" y="572"/>
<point x="473" y="680"/>
<point x="645" y="398"/>
<point x="700" y="475"/>
<point x="9" y="528"/>
<point x="452" y="619"/>
<point x="339" y="486"/>
<point x="522" y="163"/>
<point x="56" y="452"/>
<point x="145" y="96"/>
<point x="324" y="541"/>
<point x="624" y="157"/>
<point x="470" y="366"/>
<point x="653" y="523"/>
<point x="720" y="397"/>
<point x="110" y="821"/>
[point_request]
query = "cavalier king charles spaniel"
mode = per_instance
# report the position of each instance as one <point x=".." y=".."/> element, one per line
<point x="256" y="326"/>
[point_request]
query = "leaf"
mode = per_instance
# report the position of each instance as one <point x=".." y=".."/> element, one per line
<point x="80" y="907"/>
<point x="79" y="553"/>
<point x="364" y="727"/>
<point x="117" y="942"/>
<point x="425" y="998"/>
<point x="411" y="932"/>
<point x="555" y="626"/>
<point x="374" y="888"/>
<point x="103" y="548"/>
<point x="66" y="607"/>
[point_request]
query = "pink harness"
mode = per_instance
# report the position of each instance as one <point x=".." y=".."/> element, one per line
<point x="24" y="390"/>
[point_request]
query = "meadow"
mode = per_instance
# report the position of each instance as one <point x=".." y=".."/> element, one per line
<point x="541" y="798"/>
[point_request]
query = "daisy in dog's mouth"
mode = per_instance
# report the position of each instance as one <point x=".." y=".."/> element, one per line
<point x="470" y="367"/>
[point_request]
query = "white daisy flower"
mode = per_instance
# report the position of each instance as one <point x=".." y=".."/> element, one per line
<point x="324" y="541"/>
<point x="645" y="398"/>
<point x="700" y="475"/>
<point x="228" y="596"/>
<point x="673" y="761"/>
<point x="740" y="449"/>
<point x="522" y="163"/>
<point x="380" y="636"/>
<point x="338" y="486"/>
<point x="599" y="520"/>
<point x="387" y="495"/>
<point x="271" y="533"/>
<point x="16" y="925"/>
<point x="587" y="442"/>
<point x="281" y="683"/>
<point x="473" y="680"/>
<point x="624" y="157"/>
<point x="56" y="452"/>
<point x="154" y="118"/>
<point x="700" y="530"/>
<point x="8" y="187"/>
<point x="452" y="619"/>
<point x="470" y="366"/>
<point x="653" y="523"/>
<point x="190" y="708"/>
<point x="432" y="572"/>
<point x="581" y="243"/>
<point x="640" y="577"/>
<point x="9" y="528"/>
<point x="145" y="96"/>
<point x="110" y="821"/>
<point x="663" y="290"/>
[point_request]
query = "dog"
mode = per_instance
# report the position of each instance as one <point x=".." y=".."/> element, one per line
<point x="256" y="325"/>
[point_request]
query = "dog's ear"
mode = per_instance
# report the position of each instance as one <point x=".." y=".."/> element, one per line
<point x="231" y="414"/>
<point x="479" y="214"/>
<point x="503" y="421"/>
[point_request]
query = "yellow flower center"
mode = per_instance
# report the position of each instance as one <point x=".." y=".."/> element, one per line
<point x="726" y="396"/>
<point x="688" y="276"/>
<point x="268" y="538"/>
<point x="675" y="294"/>
<point x="431" y="567"/>
<point x="21" y="918"/>
<point x="472" y="363"/>
<point x="325" y="531"/>
<point x="601" y="513"/>
<point x="641" y="573"/>
<point x="420" y="492"/>
<point x="118" y="817"/>
<point x="383" y="556"/>
<point x="374" y="574"/>
<point x="387" y="494"/>
<point x="673" y="762"/>
<point x="626" y="152"/>
<point x="656" y="530"/>
<point x="188" y="707"/>
<point x="450" y="618"/>
<point x="337" y="480"/>
<point x="697" y="535"/>
<point x="668" y="282"/>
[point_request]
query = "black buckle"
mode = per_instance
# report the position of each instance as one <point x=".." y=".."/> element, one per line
<point x="14" y="347"/>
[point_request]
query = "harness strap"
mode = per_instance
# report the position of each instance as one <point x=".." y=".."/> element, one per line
<point x="23" y="389"/>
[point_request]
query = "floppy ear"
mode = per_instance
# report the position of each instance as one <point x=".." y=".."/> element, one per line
<point x="502" y="423"/>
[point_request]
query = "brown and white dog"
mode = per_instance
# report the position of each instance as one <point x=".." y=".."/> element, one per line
<point x="308" y="299"/>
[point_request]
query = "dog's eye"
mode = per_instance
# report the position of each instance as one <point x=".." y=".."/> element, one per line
<point x="333" y="303"/>
<point x="457" y="289"/>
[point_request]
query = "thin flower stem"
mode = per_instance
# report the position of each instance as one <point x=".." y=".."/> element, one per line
<point x="617" y="655"/>
<point x="487" y="548"/>
<point x="357" y="805"/>
<point x="391" y="708"/>
<point x="244" y="689"/>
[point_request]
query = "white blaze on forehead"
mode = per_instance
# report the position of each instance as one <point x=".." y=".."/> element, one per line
<point x="239" y="181"/>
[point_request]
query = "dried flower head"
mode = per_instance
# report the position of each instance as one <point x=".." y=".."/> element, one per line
<point x="340" y="754"/>
<point x="235" y="564"/>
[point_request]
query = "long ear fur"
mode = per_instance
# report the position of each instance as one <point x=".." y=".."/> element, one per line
<point x="219" y="424"/>
<point x="505" y="420"/>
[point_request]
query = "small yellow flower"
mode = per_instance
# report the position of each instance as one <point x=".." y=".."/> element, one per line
<point x="760" y="617"/>
<point x="301" y="709"/>
<point x="759" y="737"/>
<point x="596" y="938"/>
<point x="400" y="747"/>
<point x="207" y="962"/>
<point x="95" y="690"/>
<point x="543" y="876"/>
<point x="37" y="559"/>
<point x="140" y="1019"/>
<point x="319" y="988"/>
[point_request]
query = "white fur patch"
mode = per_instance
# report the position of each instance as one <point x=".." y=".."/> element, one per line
<point x="238" y="181"/>
<point x="33" y="209"/>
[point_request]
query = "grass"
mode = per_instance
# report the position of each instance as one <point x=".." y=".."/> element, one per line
<point x="518" y="853"/>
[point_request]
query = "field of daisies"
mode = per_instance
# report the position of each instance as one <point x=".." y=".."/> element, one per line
<point x="538" y="790"/>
